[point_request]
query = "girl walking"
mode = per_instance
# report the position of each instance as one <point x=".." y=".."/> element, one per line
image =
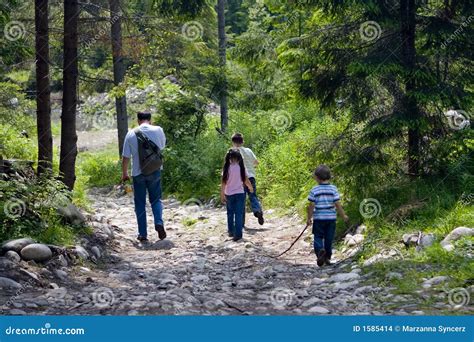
<point x="234" y="177"/>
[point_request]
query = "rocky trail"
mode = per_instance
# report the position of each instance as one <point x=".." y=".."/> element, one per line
<point x="197" y="270"/>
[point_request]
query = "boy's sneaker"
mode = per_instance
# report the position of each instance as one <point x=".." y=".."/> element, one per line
<point x="259" y="215"/>
<point x="161" y="231"/>
<point x="321" y="257"/>
<point x="142" y="238"/>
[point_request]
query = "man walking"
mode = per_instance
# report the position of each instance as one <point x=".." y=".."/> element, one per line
<point x="144" y="145"/>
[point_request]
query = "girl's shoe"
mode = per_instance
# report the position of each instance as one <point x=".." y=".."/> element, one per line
<point x="321" y="257"/>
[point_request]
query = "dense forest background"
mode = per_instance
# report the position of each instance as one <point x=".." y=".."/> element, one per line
<point x="381" y="91"/>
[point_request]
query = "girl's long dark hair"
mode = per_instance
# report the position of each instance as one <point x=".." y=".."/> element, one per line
<point x="231" y="155"/>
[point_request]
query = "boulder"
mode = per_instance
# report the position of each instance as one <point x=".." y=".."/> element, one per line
<point x="72" y="215"/>
<point x="434" y="281"/>
<point x="318" y="310"/>
<point x="96" y="251"/>
<point x="353" y="240"/>
<point x="36" y="252"/>
<point x="456" y="234"/>
<point x="13" y="256"/>
<point x="15" y="245"/>
<point x="7" y="283"/>
<point x="81" y="252"/>
<point x="338" y="277"/>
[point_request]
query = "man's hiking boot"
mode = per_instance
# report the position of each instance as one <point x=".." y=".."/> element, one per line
<point x="327" y="262"/>
<point x="259" y="215"/>
<point x="142" y="238"/>
<point x="236" y="238"/>
<point x="321" y="257"/>
<point x="161" y="231"/>
<point x="230" y="234"/>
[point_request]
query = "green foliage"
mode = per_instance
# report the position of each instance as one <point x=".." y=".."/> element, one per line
<point x="30" y="209"/>
<point x="99" y="169"/>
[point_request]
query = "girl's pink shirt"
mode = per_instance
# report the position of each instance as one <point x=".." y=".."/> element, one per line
<point x="234" y="183"/>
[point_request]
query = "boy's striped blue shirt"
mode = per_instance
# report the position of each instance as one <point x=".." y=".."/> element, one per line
<point x="324" y="196"/>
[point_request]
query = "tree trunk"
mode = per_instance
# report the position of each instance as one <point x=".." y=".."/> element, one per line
<point x="70" y="77"/>
<point x="43" y="90"/>
<point x="408" y="23"/>
<point x="119" y="70"/>
<point x="222" y="63"/>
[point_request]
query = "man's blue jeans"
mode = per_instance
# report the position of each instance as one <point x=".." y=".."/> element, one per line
<point x="235" y="214"/>
<point x="254" y="201"/>
<point x="152" y="184"/>
<point x="324" y="231"/>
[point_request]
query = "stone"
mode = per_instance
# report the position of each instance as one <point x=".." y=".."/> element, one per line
<point x="361" y="229"/>
<point x="310" y="301"/>
<point x="37" y="252"/>
<point x="62" y="261"/>
<point x="15" y="245"/>
<point x="13" y="256"/>
<point x="394" y="275"/>
<point x="81" y="252"/>
<point x="317" y="281"/>
<point x="340" y="277"/>
<point x="96" y="252"/>
<point x="345" y="285"/>
<point x="200" y="278"/>
<point x="17" y="312"/>
<point x="434" y="281"/>
<point x="427" y="240"/>
<point x="72" y="215"/>
<point x="318" y="310"/>
<point x="8" y="283"/>
<point x="454" y="235"/>
<point x="353" y="240"/>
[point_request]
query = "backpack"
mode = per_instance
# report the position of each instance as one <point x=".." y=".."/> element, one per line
<point x="149" y="154"/>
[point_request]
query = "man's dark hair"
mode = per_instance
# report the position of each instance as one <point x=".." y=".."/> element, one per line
<point x="238" y="138"/>
<point x="141" y="116"/>
<point x="323" y="172"/>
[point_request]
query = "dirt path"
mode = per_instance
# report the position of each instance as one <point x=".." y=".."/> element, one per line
<point x="199" y="270"/>
<point x="92" y="140"/>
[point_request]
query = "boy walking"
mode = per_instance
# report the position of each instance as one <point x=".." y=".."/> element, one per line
<point x="250" y="162"/>
<point x="324" y="202"/>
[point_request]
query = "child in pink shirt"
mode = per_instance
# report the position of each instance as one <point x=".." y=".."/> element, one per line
<point x="234" y="177"/>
